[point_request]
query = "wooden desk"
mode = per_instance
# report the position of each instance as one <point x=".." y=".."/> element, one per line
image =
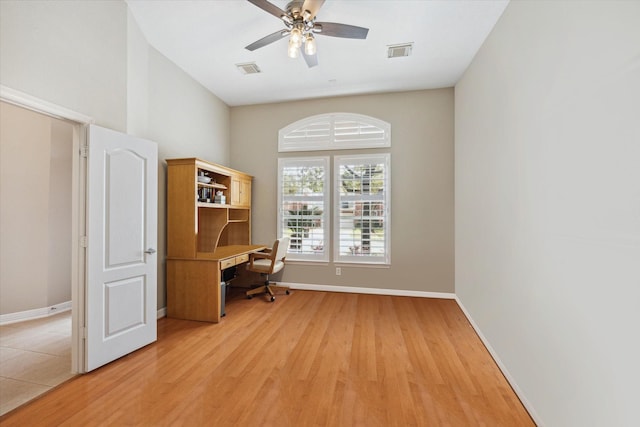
<point x="193" y="285"/>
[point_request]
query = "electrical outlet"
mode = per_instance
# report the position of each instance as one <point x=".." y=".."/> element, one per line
<point x="338" y="271"/>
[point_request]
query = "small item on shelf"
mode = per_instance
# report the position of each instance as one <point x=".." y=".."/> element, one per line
<point x="202" y="177"/>
<point x="220" y="198"/>
<point x="204" y="195"/>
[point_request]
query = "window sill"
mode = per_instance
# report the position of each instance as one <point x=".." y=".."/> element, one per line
<point x="306" y="262"/>
<point x="338" y="264"/>
<point x="361" y="265"/>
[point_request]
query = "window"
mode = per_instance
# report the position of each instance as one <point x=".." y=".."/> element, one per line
<point x="361" y="188"/>
<point x="336" y="131"/>
<point x="303" y="200"/>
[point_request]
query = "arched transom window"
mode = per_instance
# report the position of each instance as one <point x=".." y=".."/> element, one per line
<point x="335" y="131"/>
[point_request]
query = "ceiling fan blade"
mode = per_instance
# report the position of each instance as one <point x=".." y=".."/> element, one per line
<point x="269" y="7"/>
<point x="311" y="60"/>
<point x="340" y="30"/>
<point x="312" y="6"/>
<point x="267" y="40"/>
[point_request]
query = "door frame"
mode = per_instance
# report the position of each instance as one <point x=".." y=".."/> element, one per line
<point x="80" y="124"/>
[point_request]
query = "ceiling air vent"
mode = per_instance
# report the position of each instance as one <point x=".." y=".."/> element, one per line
<point x="248" y="68"/>
<point x="399" y="50"/>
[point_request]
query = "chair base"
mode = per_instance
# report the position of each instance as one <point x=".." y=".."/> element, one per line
<point x="267" y="289"/>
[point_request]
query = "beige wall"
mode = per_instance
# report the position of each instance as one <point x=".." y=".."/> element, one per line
<point x="184" y="118"/>
<point x="71" y="53"/>
<point x="421" y="183"/>
<point x="91" y="57"/>
<point x="548" y="205"/>
<point x="35" y="210"/>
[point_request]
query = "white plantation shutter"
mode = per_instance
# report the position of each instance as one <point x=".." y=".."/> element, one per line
<point x="348" y="132"/>
<point x="362" y="209"/>
<point x="303" y="200"/>
<point x="335" y="131"/>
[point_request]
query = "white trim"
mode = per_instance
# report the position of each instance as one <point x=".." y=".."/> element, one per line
<point x="512" y="382"/>
<point x="36" y="313"/>
<point x="372" y="291"/>
<point x="360" y="264"/>
<point x="24" y="100"/>
<point x="162" y="313"/>
<point x="78" y="252"/>
<point x="308" y="262"/>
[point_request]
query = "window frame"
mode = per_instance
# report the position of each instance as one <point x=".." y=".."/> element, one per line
<point x="325" y="162"/>
<point x="384" y="158"/>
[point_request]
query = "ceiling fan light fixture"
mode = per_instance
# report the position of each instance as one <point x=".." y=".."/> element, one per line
<point x="296" y="37"/>
<point x="294" y="51"/>
<point x="286" y="19"/>
<point x="310" y="45"/>
<point x="299" y="18"/>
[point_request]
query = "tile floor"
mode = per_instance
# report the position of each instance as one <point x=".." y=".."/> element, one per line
<point x="35" y="356"/>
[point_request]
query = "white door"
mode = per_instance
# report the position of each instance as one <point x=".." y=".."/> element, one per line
<point x="121" y="290"/>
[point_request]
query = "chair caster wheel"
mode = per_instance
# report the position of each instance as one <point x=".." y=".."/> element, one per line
<point x="287" y="292"/>
<point x="273" y="299"/>
<point x="249" y="297"/>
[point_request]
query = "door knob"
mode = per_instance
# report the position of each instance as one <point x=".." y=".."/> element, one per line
<point x="150" y="251"/>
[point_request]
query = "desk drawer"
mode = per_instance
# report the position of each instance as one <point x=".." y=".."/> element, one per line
<point x="230" y="262"/>
<point x="226" y="263"/>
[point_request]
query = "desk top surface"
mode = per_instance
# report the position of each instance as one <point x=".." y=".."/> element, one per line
<point x="223" y="252"/>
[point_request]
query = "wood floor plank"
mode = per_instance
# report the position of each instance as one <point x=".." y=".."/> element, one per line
<point x="310" y="358"/>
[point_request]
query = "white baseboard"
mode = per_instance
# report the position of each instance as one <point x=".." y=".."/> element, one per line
<point x="36" y="313"/>
<point x="505" y="372"/>
<point x="354" y="290"/>
<point x="374" y="291"/>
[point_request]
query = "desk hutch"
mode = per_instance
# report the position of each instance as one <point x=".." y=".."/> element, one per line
<point x="204" y="237"/>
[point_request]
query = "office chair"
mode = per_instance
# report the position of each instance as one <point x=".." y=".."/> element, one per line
<point x="268" y="262"/>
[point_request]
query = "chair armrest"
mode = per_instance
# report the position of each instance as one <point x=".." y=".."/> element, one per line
<point x="259" y="255"/>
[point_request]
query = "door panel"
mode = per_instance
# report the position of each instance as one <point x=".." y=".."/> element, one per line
<point x="124" y="305"/>
<point x="124" y="217"/>
<point x="121" y="290"/>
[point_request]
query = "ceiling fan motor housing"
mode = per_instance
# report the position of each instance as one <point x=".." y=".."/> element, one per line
<point x="298" y="18"/>
<point x="294" y="9"/>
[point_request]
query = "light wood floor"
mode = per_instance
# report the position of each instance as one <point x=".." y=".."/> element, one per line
<point x="310" y="358"/>
<point x="35" y="356"/>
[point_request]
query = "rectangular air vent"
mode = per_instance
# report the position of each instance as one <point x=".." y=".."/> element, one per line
<point x="248" y="68"/>
<point x="399" y="50"/>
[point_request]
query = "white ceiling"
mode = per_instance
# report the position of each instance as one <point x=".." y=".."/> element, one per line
<point x="206" y="38"/>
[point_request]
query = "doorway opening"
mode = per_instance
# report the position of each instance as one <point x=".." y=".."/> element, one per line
<point x="41" y="284"/>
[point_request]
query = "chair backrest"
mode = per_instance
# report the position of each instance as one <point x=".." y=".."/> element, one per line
<point x="282" y="246"/>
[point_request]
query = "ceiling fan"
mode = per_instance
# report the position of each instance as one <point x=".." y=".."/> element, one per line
<point x="300" y="22"/>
